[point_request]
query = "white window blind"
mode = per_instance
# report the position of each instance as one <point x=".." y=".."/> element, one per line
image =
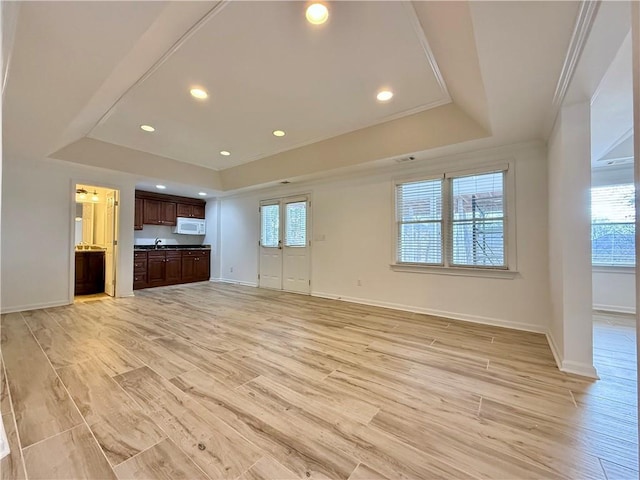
<point x="269" y="225"/>
<point x="613" y="225"/>
<point x="476" y="235"/>
<point x="419" y="222"/>
<point x="296" y="224"/>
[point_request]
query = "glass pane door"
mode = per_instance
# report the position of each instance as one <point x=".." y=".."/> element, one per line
<point x="296" y="224"/>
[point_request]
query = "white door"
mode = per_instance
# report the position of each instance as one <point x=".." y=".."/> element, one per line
<point x="270" y="275"/>
<point x="111" y="234"/>
<point x="284" y="244"/>
<point x="295" y="264"/>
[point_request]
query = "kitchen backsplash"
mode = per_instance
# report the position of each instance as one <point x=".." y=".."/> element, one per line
<point x="148" y="235"/>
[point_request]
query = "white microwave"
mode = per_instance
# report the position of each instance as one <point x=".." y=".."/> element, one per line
<point x="190" y="226"/>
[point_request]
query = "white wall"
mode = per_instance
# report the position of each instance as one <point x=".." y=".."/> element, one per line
<point x="614" y="289"/>
<point x="354" y="215"/>
<point x="212" y="215"/>
<point x="569" y="240"/>
<point x="38" y="210"/>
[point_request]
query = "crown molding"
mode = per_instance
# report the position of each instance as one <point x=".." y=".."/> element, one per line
<point x="176" y="46"/>
<point x="581" y="29"/>
<point x="424" y="43"/>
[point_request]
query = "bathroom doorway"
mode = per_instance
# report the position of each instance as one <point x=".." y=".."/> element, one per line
<point x="95" y="242"/>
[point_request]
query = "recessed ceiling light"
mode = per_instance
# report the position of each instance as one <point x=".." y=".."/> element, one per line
<point x="279" y="133"/>
<point x="317" y="13"/>
<point x="160" y="187"/>
<point x="202" y="194"/>
<point x="147" y="128"/>
<point x="198" y="93"/>
<point x="225" y="153"/>
<point x="384" y="95"/>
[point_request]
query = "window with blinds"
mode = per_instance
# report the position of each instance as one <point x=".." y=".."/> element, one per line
<point x="477" y="220"/>
<point x="613" y="225"/>
<point x="269" y="225"/>
<point x="458" y="221"/>
<point x="419" y="222"/>
<point x="296" y="224"/>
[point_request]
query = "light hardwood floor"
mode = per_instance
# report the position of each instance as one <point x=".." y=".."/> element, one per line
<point x="214" y="381"/>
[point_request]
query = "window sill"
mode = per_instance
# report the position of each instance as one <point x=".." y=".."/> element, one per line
<point x="614" y="269"/>
<point x="459" y="271"/>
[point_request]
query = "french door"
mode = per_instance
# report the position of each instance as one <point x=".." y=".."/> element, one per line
<point x="284" y="244"/>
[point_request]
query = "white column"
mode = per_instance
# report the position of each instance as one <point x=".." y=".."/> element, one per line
<point x="570" y="240"/>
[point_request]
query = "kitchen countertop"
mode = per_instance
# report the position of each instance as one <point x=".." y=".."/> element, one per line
<point x="171" y="247"/>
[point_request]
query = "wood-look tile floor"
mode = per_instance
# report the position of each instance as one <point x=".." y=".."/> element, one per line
<point x="214" y="381"/>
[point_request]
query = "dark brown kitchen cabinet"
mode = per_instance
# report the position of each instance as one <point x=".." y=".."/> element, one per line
<point x="155" y="268"/>
<point x="140" y="270"/>
<point x="138" y="220"/>
<point x="195" y="265"/>
<point x="89" y="272"/>
<point x="173" y="268"/>
<point x="190" y="210"/>
<point x="202" y="266"/>
<point x="159" y="209"/>
<point x="163" y="267"/>
<point x="158" y="212"/>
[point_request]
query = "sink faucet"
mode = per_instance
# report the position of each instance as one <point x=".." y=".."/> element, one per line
<point x="157" y="242"/>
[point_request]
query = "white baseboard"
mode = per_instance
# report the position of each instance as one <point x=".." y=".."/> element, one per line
<point x="554" y="349"/>
<point x="579" y="368"/>
<point x="236" y="282"/>
<point x="497" y="322"/>
<point x="34" y="306"/>
<point x="614" y="308"/>
<point x="568" y="366"/>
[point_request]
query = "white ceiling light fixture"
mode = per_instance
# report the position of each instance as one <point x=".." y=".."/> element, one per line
<point x="94" y="197"/>
<point x="160" y="187"/>
<point x="384" y="95"/>
<point x="279" y="133"/>
<point x="147" y="128"/>
<point x="225" y="153"/>
<point x="202" y="194"/>
<point x="317" y="13"/>
<point x="199" y="93"/>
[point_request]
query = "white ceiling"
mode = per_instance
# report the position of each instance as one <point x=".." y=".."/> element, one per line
<point x="612" y="111"/>
<point x="278" y="72"/>
<point x="84" y="75"/>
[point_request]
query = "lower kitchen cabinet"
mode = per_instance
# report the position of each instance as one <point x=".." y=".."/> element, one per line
<point x="195" y="265"/>
<point x="173" y="268"/>
<point x="170" y="267"/>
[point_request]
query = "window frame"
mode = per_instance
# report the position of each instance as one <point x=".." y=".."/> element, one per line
<point x="509" y="270"/>
<point x="619" y="267"/>
<point x="398" y="222"/>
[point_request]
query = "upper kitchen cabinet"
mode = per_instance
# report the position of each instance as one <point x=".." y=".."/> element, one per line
<point x="190" y="211"/>
<point x="158" y="212"/>
<point x="158" y="209"/>
<point x="138" y="220"/>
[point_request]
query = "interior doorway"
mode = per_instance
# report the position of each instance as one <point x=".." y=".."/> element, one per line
<point x="95" y="242"/>
<point x="284" y="244"/>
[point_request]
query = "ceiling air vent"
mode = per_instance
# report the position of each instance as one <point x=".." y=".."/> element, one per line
<point x="616" y="161"/>
<point x="405" y="159"/>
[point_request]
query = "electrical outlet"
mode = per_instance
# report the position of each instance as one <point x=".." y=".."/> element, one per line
<point x="231" y="270"/>
<point x="359" y="282"/>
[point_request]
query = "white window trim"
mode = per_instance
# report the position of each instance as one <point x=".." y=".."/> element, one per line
<point x="510" y="271"/>
<point x="625" y="269"/>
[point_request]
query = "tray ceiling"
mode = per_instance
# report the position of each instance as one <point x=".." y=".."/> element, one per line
<point x="266" y="68"/>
